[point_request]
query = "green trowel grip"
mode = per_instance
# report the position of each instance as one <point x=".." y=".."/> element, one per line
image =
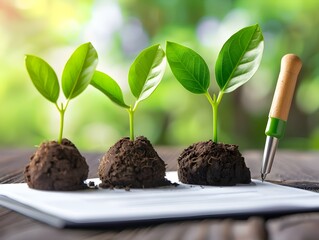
<point x="275" y="127"/>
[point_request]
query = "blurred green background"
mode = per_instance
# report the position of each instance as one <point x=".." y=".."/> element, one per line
<point x="119" y="30"/>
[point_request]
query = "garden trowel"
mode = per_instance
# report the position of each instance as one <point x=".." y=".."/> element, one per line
<point x="278" y="115"/>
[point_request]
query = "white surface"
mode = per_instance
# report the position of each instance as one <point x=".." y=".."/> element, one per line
<point x="105" y="205"/>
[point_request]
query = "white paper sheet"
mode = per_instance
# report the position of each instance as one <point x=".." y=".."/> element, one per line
<point x="105" y="206"/>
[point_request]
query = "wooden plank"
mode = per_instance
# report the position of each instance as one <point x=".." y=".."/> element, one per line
<point x="294" y="227"/>
<point x="289" y="166"/>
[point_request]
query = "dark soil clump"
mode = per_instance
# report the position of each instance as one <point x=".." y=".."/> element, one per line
<point x="132" y="164"/>
<point x="58" y="167"/>
<point x="210" y="163"/>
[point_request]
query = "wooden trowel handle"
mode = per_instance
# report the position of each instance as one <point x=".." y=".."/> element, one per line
<point x="289" y="70"/>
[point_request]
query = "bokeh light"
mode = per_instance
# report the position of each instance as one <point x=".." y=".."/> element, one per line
<point x="119" y="30"/>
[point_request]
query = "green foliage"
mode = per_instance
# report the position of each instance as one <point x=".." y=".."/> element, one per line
<point x="76" y="77"/>
<point x="79" y="70"/>
<point x="145" y="74"/>
<point x="237" y="62"/>
<point x="189" y="68"/>
<point x="109" y="87"/>
<point x="43" y="77"/>
<point x="239" y="58"/>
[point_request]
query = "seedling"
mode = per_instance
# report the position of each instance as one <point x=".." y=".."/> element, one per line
<point x="144" y="75"/>
<point x="76" y="76"/>
<point x="236" y="63"/>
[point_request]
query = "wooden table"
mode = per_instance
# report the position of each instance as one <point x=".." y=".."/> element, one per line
<point x="298" y="169"/>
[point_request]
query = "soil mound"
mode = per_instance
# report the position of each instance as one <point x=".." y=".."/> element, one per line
<point x="58" y="167"/>
<point x="132" y="164"/>
<point x="210" y="163"/>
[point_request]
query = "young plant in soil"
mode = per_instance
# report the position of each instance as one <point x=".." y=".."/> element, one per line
<point x="133" y="162"/>
<point x="58" y="165"/>
<point x="211" y="162"/>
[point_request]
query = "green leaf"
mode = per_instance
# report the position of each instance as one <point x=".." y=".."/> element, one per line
<point x="79" y="70"/>
<point x="43" y="77"/>
<point x="188" y="67"/>
<point x="239" y="58"/>
<point x="147" y="71"/>
<point x="109" y="87"/>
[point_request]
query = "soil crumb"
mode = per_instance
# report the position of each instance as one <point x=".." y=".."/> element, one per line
<point x="132" y="164"/>
<point x="210" y="163"/>
<point x="58" y="167"/>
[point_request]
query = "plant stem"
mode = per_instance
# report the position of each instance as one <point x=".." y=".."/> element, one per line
<point x="215" y="121"/>
<point x="131" y="116"/>
<point x="62" y="112"/>
<point x="61" y="125"/>
<point x="211" y="101"/>
<point x="215" y="103"/>
<point x="220" y="96"/>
